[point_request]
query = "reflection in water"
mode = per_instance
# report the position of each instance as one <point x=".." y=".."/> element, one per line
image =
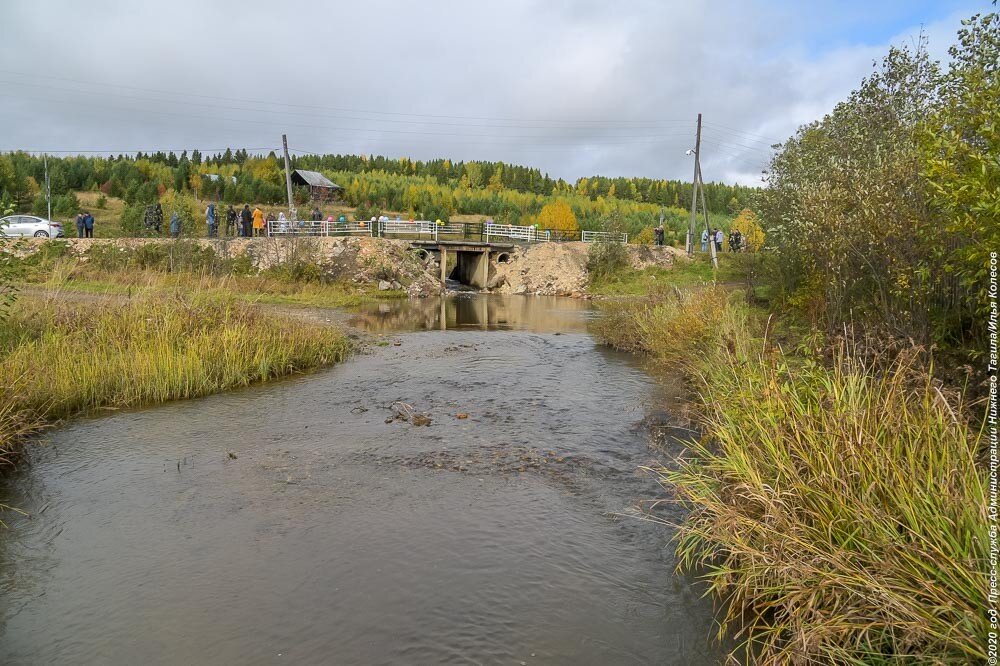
<point x="338" y="535"/>
<point x="539" y="314"/>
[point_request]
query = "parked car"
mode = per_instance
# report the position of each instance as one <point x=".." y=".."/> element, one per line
<point x="30" y="225"/>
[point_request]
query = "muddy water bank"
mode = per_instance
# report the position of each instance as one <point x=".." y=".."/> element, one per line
<point x="291" y="523"/>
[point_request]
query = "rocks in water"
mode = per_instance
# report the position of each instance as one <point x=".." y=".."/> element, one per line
<point x="384" y="285"/>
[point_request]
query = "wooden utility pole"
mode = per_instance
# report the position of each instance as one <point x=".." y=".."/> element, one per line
<point x="288" y="179"/>
<point x="694" y="190"/>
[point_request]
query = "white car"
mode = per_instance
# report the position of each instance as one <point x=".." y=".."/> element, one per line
<point x="30" y="225"/>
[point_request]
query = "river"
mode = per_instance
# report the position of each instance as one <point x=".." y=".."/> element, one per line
<point x="299" y="522"/>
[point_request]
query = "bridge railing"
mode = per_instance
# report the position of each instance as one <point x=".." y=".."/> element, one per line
<point x="603" y="237"/>
<point x="347" y="229"/>
<point x="317" y="228"/>
<point x="530" y="234"/>
<point x="429" y="228"/>
<point x="407" y="227"/>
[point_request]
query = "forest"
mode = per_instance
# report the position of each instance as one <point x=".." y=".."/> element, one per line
<point x="434" y="189"/>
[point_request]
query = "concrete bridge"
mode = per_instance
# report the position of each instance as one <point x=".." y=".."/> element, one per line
<point x="472" y="259"/>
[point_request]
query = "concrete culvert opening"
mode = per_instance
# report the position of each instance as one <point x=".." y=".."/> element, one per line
<point x="421" y="254"/>
<point x="503" y="258"/>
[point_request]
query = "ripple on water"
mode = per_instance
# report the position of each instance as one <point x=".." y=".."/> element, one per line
<point x="334" y="536"/>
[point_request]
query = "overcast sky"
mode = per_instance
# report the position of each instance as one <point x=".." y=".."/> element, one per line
<point x="575" y="88"/>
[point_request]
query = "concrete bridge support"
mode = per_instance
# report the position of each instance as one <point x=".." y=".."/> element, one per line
<point x="472" y="259"/>
<point x="473" y="268"/>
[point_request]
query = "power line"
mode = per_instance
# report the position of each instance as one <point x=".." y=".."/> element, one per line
<point x="341" y="109"/>
<point x="120" y="151"/>
<point x="230" y="107"/>
<point x="748" y="134"/>
<point x="282" y="123"/>
<point x="737" y="146"/>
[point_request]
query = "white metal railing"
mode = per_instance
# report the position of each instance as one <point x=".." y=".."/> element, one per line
<point x="530" y="234"/>
<point x="414" y="227"/>
<point x="603" y="237"/>
<point x="347" y="228"/>
<point x="317" y="228"/>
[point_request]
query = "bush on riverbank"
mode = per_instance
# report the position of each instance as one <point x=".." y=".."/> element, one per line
<point x="836" y="504"/>
<point x="59" y="359"/>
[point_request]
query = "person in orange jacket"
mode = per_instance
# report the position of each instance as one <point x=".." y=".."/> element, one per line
<point x="258" y="221"/>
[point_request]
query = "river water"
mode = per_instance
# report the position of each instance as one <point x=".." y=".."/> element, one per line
<point x="291" y="523"/>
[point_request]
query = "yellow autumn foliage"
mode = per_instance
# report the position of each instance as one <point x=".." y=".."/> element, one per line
<point x="558" y="216"/>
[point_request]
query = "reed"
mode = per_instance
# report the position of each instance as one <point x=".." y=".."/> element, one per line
<point x="59" y="359"/>
<point x="837" y="505"/>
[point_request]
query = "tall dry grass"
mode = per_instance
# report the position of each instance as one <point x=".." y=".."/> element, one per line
<point x="837" y="505"/>
<point x="58" y="358"/>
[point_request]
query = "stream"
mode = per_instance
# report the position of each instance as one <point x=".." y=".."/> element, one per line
<point x="301" y="522"/>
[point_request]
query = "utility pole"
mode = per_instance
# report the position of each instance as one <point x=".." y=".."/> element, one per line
<point x="694" y="190"/>
<point x="288" y="178"/>
<point x="48" y="188"/>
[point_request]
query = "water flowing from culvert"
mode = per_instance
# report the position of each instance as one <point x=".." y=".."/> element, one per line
<point x="334" y="536"/>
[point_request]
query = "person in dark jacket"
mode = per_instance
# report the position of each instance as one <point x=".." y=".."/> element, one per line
<point x="80" y="226"/>
<point x="230" y="220"/>
<point x="246" y="217"/>
<point x="88" y="225"/>
<point x="658" y="235"/>
<point x="175" y="225"/>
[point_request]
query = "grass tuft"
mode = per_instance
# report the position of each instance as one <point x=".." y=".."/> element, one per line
<point x="837" y="504"/>
<point x="60" y="359"/>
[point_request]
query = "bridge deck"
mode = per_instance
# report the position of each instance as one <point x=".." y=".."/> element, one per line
<point x="468" y="246"/>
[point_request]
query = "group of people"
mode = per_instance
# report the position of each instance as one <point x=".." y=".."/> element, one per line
<point x="716" y="236"/>
<point x="245" y="223"/>
<point x="154" y="220"/>
<point x="85" y="225"/>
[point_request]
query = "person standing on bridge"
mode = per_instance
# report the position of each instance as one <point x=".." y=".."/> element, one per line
<point x="246" y="222"/>
<point x="230" y="219"/>
<point x="210" y="220"/>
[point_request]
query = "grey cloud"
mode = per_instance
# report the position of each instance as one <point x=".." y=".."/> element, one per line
<point x="519" y="81"/>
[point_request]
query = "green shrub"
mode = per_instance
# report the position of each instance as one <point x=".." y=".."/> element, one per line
<point x="605" y="260"/>
<point x="295" y="271"/>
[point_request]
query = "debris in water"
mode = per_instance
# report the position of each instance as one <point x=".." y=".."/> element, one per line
<point x="359" y="410"/>
<point x="405" y="412"/>
<point x="461" y="415"/>
<point x="231" y="454"/>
